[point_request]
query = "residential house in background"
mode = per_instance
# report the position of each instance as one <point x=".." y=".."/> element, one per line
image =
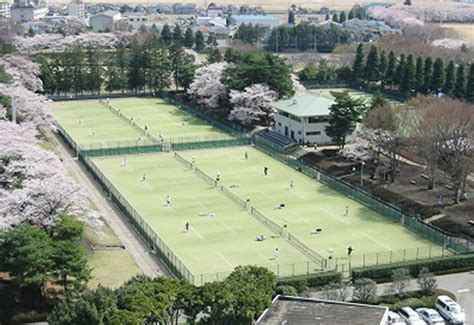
<point x="303" y="119"/>
<point x="76" y="8"/>
<point x="184" y="9"/>
<point x="5" y="10"/>
<point x="105" y="21"/>
<point x="261" y="20"/>
<point x="307" y="311"/>
<point x="368" y="31"/>
<point x="214" y="11"/>
<point x="28" y="10"/>
<point x="136" y="19"/>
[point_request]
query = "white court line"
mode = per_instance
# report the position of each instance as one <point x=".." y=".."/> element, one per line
<point x="197" y="233"/>
<point x="262" y="256"/>
<point x="463" y="290"/>
<point x="198" y="202"/>
<point x="375" y="240"/>
<point x="342" y="220"/>
<point x="225" y="260"/>
<point x="303" y="219"/>
<point x="226" y="225"/>
<point x="304" y="197"/>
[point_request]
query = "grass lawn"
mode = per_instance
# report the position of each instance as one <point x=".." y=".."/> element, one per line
<point x="165" y="119"/>
<point x="213" y="244"/>
<point x="466" y="31"/>
<point x="309" y="205"/>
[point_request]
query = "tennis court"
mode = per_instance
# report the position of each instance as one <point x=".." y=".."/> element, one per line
<point x="326" y="92"/>
<point x="221" y="236"/>
<point x="310" y="205"/>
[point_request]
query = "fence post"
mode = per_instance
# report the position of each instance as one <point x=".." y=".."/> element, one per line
<point x="404" y="254"/>
<point x="377" y="259"/>
<point x="307" y="267"/>
<point x="363" y="260"/>
<point x="391" y="256"/>
<point x="278" y="270"/>
<point x="417" y="253"/>
<point x="293" y="269"/>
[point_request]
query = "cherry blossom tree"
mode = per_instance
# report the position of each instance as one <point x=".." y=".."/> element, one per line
<point x="252" y="106"/>
<point x="297" y="86"/>
<point x="34" y="186"/>
<point x="23" y="71"/>
<point x="207" y="88"/>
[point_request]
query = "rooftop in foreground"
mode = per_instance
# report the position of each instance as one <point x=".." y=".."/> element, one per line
<point x="301" y="311"/>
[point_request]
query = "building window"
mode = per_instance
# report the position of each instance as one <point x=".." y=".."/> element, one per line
<point x="313" y="133"/>
<point x="299" y="132"/>
<point x="279" y="124"/>
<point x="317" y="119"/>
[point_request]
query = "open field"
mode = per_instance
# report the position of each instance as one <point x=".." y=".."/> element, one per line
<point x="465" y="31"/>
<point x="212" y="244"/>
<point x="310" y="205"/>
<point x="91" y="124"/>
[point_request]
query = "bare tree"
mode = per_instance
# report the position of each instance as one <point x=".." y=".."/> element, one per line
<point x="401" y="281"/>
<point x="365" y="290"/>
<point x="426" y="281"/>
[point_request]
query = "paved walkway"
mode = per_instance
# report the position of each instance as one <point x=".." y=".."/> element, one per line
<point x="136" y="247"/>
<point x="461" y="284"/>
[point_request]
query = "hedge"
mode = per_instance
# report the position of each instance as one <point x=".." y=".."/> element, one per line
<point x="302" y="283"/>
<point x="442" y="265"/>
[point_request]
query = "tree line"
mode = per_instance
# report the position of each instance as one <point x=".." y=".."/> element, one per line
<point x="152" y="65"/>
<point x="410" y="75"/>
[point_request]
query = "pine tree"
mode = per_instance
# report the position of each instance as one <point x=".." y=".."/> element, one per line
<point x="94" y="77"/>
<point x="291" y="17"/>
<point x="408" y="75"/>
<point x="372" y="66"/>
<point x="342" y="17"/>
<point x="136" y="79"/>
<point x="189" y="38"/>
<point x="383" y="67"/>
<point x="460" y="85"/>
<point x="178" y="37"/>
<point x="358" y="65"/>
<point x="166" y="35"/>
<point x="214" y="56"/>
<point x="427" y="75"/>
<point x="470" y="84"/>
<point x="437" y="80"/>
<point x="211" y="40"/>
<point x="335" y="18"/>
<point x="419" y="80"/>
<point x="449" y="80"/>
<point x="351" y="15"/>
<point x="199" y="41"/>
<point x="391" y="66"/>
<point x="397" y="78"/>
<point x="327" y="17"/>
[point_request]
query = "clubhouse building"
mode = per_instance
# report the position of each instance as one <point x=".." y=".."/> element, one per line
<point x="303" y="119"/>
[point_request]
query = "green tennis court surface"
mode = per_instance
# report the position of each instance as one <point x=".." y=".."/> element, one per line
<point x="213" y="243"/>
<point x="91" y="124"/>
<point x="326" y="92"/>
<point x="310" y="205"/>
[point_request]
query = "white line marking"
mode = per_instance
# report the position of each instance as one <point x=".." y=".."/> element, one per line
<point x="225" y="260"/>
<point x="197" y="233"/>
<point x="227" y="226"/>
<point x="263" y="256"/>
<point x="302" y="219"/>
<point x="332" y="215"/>
<point x="463" y="290"/>
<point x="304" y="197"/>
<point x="380" y="243"/>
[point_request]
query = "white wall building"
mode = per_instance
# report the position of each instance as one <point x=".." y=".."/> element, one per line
<point x="25" y="14"/>
<point x="5" y="10"/>
<point x="105" y="21"/>
<point x="303" y="119"/>
<point x="76" y="8"/>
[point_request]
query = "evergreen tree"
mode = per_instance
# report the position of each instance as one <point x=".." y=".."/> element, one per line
<point x="135" y="77"/>
<point x="182" y="66"/>
<point x="78" y="73"/>
<point x="199" y="41"/>
<point x="121" y="62"/>
<point x="189" y="38"/>
<point x="166" y="35"/>
<point x="342" y="17"/>
<point x="391" y="66"/>
<point x="178" y="37"/>
<point x="94" y="77"/>
<point x="327" y="17"/>
<point x="448" y="86"/>
<point x="460" y="85"/>
<point x="383" y="67"/>
<point x="211" y="40"/>
<point x="335" y="18"/>
<point x="407" y="3"/>
<point x="470" y="84"/>
<point x="291" y="17"/>
<point x="351" y="15"/>
<point x="46" y="75"/>
<point x="427" y="74"/>
<point x="214" y="56"/>
<point x="437" y="80"/>
<point x="358" y="65"/>
<point x="372" y="66"/>
<point x="419" y="77"/>
<point x="159" y="69"/>
<point x="112" y="79"/>
<point x="408" y="75"/>
<point x="397" y="78"/>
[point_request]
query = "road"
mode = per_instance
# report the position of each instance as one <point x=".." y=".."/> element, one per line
<point x="461" y="284"/>
<point x="135" y="246"/>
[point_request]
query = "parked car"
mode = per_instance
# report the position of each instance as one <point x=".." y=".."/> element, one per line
<point x="394" y="318"/>
<point x="450" y="310"/>
<point x="410" y="316"/>
<point x="430" y="316"/>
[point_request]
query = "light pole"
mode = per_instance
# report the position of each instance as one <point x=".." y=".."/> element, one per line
<point x="362" y="174"/>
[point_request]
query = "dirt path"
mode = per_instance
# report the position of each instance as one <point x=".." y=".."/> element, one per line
<point x="136" y="247"/>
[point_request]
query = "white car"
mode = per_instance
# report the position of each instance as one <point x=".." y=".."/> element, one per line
<point x="410" y="316"/>
<point x="394" y="318"/>
<point x="450" y="310"/>
<point x="430" y="316"/>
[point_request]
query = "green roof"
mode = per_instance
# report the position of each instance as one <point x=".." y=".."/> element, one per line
<point x="303" y="106"/>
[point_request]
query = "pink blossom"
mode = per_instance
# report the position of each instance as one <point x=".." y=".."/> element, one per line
<point x="253" y="105"/>
<point x="207" y="87"/>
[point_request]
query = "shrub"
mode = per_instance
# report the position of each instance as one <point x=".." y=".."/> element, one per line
<point x="409" y="302"/>
<point x="29" y="317"/>
<point x="286" y="290"/>
<point x="301" y="283"/>
<point x="431" y="300"/>
<point x="442" y="265"/>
